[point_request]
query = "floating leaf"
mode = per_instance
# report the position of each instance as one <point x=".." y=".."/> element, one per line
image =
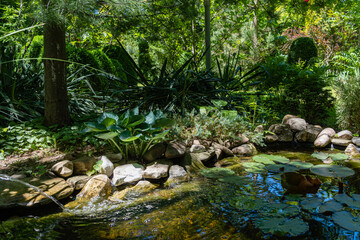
<point x="281" y="168"/>
<point x="254" y="167"/>
<point x="282" y="226"/>
<point x="217" y="172"/>
<point x="301" y="165"/>
<point x="279" y="210"/>
<point x="263" y="159"/>
<point x="338" y="156"/>
<point x="332" y="171"/>
<point x="320" y="155"/>
<point x="247" y="203"/>
<point x="353" y="202"/>
<point x="278" y="159"/>
<point x="311" y="203"/>
<point x="330" y="206"/>
<point x="346" y="220"/>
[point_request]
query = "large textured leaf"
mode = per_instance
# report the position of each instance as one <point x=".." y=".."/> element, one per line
<point x="310" y="204"/>
<point x="282" y="226"/>
<point x="254" y="167"/>
<point x="126" y="136"/>
<point x="278" y="159"/>
<point x="346" y="220"/>
<point x="107" y="136"/>
<point x="135" y="120"/>
<point x="164" y="123"/>
<point x="160" y="135"/>
<point x="108" y="119"/>
<point x="95" y="127"/>
<point x="332" y="171"/>
<point x="150" y="118"/>
<point x="330" y="206"/>
<point x="282" y="168"/>
<point x="301" y="165"/>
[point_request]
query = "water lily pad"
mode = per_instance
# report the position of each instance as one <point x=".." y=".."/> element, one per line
<point x="330" y="206"/>
<point x="282" y="226"/>
<point x="338" y="156"/>
<point x="320" y="155"/>
<point x="238" y="180"/>
<point x="248" y="204"/>
<point x="311" y="203"/>
<point x="254" y="167"/>
<point x="217" y="172"/>
<point x="280" y="210"/>
<point x="301" y="165"/>
<point x="353" y="202"/>
<point x="278" y="159"/>
<point x="263" y="159"/>
<point x="332" y="171"/>
<point x="346" y="220"/>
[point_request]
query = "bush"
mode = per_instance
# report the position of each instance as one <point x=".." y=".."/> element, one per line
<point x="347" y="91"/>
<point x="302" y="49"/>
<point x="296" y="90"/>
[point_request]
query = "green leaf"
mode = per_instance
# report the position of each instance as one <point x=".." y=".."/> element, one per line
<point x="330" y="206"/>
<point x="254" y="167"/>
<point x="108" y="119"/>
<point x="345" y="220"/>
<point x="219" y="103"/>
<point x="160" y="135"/>
<point x="311" y="203"/>
<point x="352" y="202"/>
<point x="95" y="127"/>
<point x="263" y="159"/>
<point x="332" y="171"/>
<point x="281" y="226"/>
<point x="301" y="165"/>
<point x="150" y="118"/>
<point x="97" y="165"/>
<point x="277" y="158"/>
<point x="338" y="156"/>
<point x="320" y="155"/>
<point x="126" y="136"/>
<point x="107" y="136"/>
<point x="164" y="123"/>
<point x="135" y="120"/>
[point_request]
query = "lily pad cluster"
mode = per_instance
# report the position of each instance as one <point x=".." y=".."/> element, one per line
<point x="338" y="208"/>
<point x="224" y="175"/>
<point x="274" y="163"/>
<point x="335" y="156"/>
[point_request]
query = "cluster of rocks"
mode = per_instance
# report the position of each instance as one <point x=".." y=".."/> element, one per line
<point x="295" y="129"/>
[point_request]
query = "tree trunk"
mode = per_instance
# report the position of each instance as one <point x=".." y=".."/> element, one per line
<point x="255" y="24"/>
<point x="207" y="35"/>
<point x="56" y="100"/>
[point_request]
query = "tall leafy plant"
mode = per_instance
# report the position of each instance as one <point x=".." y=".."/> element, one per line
<point x="131" y="133"/>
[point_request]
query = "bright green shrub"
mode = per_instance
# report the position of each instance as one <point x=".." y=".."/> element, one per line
<point x="302" y="49"/>
<point x="36" y="50"/>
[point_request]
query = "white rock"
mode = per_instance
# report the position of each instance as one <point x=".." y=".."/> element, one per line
<point x="297" y="124"/>
<point x="63" y="169"/>
<point x="127" y="173"/>
<point x="345" y="134"/>
<point x="156" y="171"/>
<point x="107" y="167"/>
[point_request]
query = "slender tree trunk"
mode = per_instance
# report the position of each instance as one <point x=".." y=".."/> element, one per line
<point x="255" y="24"/>
<point x="56" y="100"/>
<point x="207" y="35"/>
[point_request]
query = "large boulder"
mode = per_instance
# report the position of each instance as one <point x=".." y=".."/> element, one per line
<point x="83" y="164"/>
<point x="297" y="124"/>
<point x="327" y="131"/>
<point x="127" y="173"/>
<point x="309" y="134"/>
<point x="78" y="182"/>
<point x="177" y="174"/>
<point x="155" y="152"/>
<point x="322" y="141"/>
<point x="245" y="149"/>
<point x="63" y="169"/>
<point x="356" y="141"/>
<point x="156" y="171"/>
<point x="98" y="186"/>
<point x="340" y="142"/>
<point x="345" y="134"/>
<point x="224" y="149"/>
<point x="282" y="131"/>
<point x="352" y="150"/>
<point x="270" y="138"/>
<point x="106" y="167"/>
<point x="114" y="157"/>
<point x="287" y="117"/>
<point x="240" y="140"/>
<point x="175" y="150"/>
<point x="15" y="193"/>
<point x="197" y="148"/>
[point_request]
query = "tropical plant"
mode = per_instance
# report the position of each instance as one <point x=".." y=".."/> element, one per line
<point x="131" y="133"/>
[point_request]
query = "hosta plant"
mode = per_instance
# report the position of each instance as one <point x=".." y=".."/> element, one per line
<point x="131" y="133"/>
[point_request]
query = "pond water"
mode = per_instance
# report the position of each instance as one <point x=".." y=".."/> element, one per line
<point x="248" y="206"/>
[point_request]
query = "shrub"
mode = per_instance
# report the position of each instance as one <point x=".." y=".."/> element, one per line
<point x="302" y="49"/>
<point x="347" y="91"/>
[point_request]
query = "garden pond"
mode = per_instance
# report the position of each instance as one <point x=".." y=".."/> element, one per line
<point x="276" y="195"/>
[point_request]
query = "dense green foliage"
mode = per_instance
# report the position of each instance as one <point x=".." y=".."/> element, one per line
<point x="302" y="49"/>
